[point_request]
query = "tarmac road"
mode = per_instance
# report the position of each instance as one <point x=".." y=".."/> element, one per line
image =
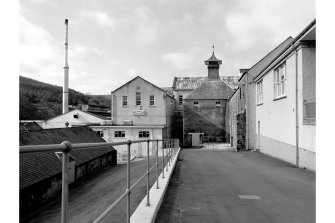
<point x="221" y="186"/>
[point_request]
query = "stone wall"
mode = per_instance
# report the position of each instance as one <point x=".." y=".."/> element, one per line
<point x="206" y="117"/>
<point x="241" y="131"/>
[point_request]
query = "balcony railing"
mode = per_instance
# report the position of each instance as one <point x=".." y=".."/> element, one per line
<point x="169" y="145"/>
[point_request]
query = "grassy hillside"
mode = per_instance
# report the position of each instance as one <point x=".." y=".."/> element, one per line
<point x="41" y="101"/>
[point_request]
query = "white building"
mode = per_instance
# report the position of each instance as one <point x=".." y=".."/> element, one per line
<point x="285" y="111"/>
<point x="139" y="110"/>
<point x="74" y="118"/>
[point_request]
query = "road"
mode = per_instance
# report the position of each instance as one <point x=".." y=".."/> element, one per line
<point x="211" y="185"/>
<point x="93" y="196"/>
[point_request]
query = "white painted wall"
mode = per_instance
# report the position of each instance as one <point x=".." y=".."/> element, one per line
<point x="83" y="119"/>
<point x="154" y="115"/>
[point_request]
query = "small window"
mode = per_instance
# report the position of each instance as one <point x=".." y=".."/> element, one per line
<point x="180" y="99"/>
<point x="75" y="116"/>
<point x="259" y="91"/>
<point x="124" y="100"/>
<point x="100" y="133"/>
<point x="143" y="134"/>
<point x="309" y="112"/>
<point x="138" y="98"/>
<point x="195" y="103"/>
<point x="218" y="103"/>
<point x="152" y="100"/>
<point x="119" y="134"/>
<point x="280" y="81"/>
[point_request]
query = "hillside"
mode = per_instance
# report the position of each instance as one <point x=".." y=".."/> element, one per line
<point x="41" y="101"/>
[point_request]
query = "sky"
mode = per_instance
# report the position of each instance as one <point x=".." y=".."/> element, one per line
<point x="111" y="42"/>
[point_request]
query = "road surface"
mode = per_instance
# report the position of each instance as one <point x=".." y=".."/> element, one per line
<point x="212" y="185"/>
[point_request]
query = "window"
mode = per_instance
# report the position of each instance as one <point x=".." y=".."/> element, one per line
<point x="100" y="133"/>
<point x="75" y="116"/>
<point x="259" y="90"/>
<point x="152" y="100"/>
<point x="119" y="134"/>
<point x="280" y="81"/>
<point x="143" y="134"/>
<point x="138" y="98"/>
<point x="180" y="101"/>
<point x="309" y="111"/>
<point x="218" y="103"/>
<point x="124" y="101"/>
<point x="195" y="103"/>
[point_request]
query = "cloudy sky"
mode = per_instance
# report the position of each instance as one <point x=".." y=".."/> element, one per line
<point x="110" y="42"/>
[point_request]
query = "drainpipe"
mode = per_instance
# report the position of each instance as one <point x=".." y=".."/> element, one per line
<point x="112" y="107"/>
<point x="246" y="113"/>
<point x="296" y="109"/>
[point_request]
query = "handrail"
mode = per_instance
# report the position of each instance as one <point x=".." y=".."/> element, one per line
<point x="66" y="147"/>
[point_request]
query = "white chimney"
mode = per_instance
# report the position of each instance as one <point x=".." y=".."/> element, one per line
<point x="66" y="73"/>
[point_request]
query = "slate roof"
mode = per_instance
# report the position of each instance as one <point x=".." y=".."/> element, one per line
<point x="211" y="89"/>
<point x="269" y="58"/>
<point x="35" y="167"/>
<point x="191" y="83"/>
<point x="27" y="126"/>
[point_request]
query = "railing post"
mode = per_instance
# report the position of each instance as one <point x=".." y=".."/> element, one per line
<point x="148" y="175"/>
<point x="128" y="182"/>
<point x="65" y="182"/>
<point x="157" y="186"/>
<point x="163" y="158"/>
<point x="169" y="149"/>
<point x="167" y="157"/>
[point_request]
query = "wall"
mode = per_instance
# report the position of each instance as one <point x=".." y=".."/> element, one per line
<point x="185" y="94"/>
<point x="83" y="118"/>
<point x="154" y="115"/>
<point x="131" y="133"/>
<point x="231" y="113"/>
<point x="278" y="117"/>
<point x="205" y="118"/>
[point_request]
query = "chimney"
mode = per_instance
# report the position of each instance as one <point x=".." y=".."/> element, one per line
<point x="66" y="73"/>
<point x="213" y="65"/>
<point x="242" y="71"/>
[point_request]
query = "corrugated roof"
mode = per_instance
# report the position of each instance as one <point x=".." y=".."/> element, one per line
<point x="35" y="167"/>
<point x="211" y="89"/>
<point x="191" y="83"/>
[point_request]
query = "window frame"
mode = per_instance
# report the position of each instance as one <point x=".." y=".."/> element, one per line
<point x="143" y="134"/>
<point x="151" y="100"/>
<point x="138" y="100"/>
<point x="180" y="99"/>
<point x="119" y="134"/>
<point x="100" y="133"/>
<point x="280" y="84"/>
<point x="196" y="103"/>
<point x="218" y="103"/>
<point x="259" y="92"/>
<point x="124" y="101"/>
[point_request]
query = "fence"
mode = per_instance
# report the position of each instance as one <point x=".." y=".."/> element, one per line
<point x="169" y="145"/>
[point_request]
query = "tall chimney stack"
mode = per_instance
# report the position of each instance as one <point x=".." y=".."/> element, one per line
<point x="66" y="73"/>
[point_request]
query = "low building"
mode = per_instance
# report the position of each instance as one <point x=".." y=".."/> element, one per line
<point x="40" y="173"/>
<point x="75" y="118"/>
<point x="286" y="103"/>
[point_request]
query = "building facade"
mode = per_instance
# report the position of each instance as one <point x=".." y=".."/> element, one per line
<point x="139" y="110"/>
<point x="286" y="103"/>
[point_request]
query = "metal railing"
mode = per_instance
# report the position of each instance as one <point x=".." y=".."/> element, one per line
<point x="169" y="145"/>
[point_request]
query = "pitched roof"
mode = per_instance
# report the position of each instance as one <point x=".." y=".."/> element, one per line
<point x="169" y="90"/>
<point x="269" y="58"/>
<point x="213" y="59"/>
<point x="24" y="126"/>
<point x="191" y="83"/>
<point x="35" y="167"/>
<point x="211" y="89"/>
<point x="144" y="81"/>
<point x="89" y="113"/>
